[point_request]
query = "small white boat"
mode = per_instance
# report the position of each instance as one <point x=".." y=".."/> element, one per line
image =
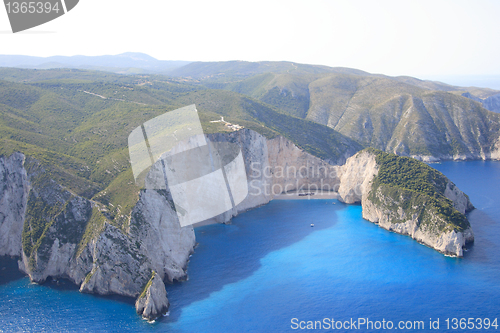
<point x="312" y="224"/>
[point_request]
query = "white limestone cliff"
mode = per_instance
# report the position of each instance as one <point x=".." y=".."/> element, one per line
<point x="14" y="189"/>
<point x="81" y="243"/>
<point x="112" y="260"/>
<point x="356" y="176"/>
<point x="356" y="185"/>
<point x="167" y="245"/>
<point x="276" y="166"/>
<point x="293" y="169"/>
<point x="153" y="301"/>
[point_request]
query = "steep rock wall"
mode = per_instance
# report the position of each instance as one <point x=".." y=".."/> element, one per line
<point x="69" y="236"/>
<point x="356" y="176"/>
<point x="160" y="238"/>
<point x="402" y="211"/>
<point x="296" y="170"/>
<point x="62" y="235"/>
<point x="153" y="302"/>
<point x="14" y="190"/>
<point x="274" y="167"/>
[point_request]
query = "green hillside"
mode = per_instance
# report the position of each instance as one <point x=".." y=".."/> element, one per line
<point x="422" y="187"/>
<point x="76" y="123"/>
<point x="404" y="115"/>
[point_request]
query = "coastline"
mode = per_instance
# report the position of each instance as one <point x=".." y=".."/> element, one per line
<point x="318" y="194"/>
<point x="291" y="195"/>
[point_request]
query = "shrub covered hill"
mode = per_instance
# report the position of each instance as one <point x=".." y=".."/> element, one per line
<point x="77" y="123"/>
<point x="69" y="206"/>
<point x="71" y="200"/>
<point x="409" y="197"/>
<point x="407" y="116"/>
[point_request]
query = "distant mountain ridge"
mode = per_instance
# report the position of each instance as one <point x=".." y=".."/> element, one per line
<point x="125" y="63"/>
<point x="241" y="69"/>
<point x="404" y="115"/>
<point x="425" y="119"/>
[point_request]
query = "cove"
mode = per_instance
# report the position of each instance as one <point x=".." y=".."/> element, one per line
<point x="270" y="266"/>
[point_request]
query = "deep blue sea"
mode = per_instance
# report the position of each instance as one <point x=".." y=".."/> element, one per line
<point x="270" y="266"/>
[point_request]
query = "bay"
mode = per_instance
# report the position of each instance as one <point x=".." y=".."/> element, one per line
<point x="270" y="266"/>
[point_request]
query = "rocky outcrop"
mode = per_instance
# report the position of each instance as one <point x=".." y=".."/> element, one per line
<point x="276" y="166"/>
<point x="293" y="169"/>
<point x="50" y="254"/>
<point x="59" y="234"/>
<point x="155" y="230"/>
<point x="429" y="229"/>
<point x="405" y="211"/>
<point x="152" y="302"/>
<point x="491" y="103"/>
<point x="118" y="266"/>
<point x="14" y="190"/>
<point x="356" y="177"/>
<point x="460" y="200"/>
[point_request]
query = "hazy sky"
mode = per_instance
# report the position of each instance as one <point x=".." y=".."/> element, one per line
<point x="418" y="38"/>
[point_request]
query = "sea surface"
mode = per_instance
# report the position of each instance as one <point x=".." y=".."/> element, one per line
<point x="270" y="270"/>
<point x="483" y="81"/>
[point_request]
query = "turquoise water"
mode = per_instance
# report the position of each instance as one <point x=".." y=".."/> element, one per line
<point x="270" y="266"/>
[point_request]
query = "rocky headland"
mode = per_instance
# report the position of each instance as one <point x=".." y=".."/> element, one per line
<point x="57" y="233"/>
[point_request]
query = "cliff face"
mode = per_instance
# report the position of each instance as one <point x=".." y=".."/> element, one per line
<point x="14" y="190"/>
<point x="156" y="232"/>
<point x="407" y="211"/>
<point x="356" y="177"/>
<point x="59" y="234"/>
<point x="426" y="227"/>
<point x="62" y="235"/>
<point x="491" y="103"/>
<point x="153" y="302"/>
<point x="52" y="226"/>
<point x="254" y="149"/>
<point x="274" y="167"/>
<point x="295" y="170"/>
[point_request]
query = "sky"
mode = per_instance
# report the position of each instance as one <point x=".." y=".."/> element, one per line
<point x="418" y="38"/>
